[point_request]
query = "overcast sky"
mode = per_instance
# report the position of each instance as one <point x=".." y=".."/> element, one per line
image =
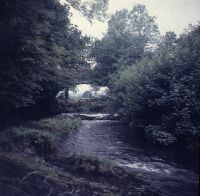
<point x="172" y="15"/>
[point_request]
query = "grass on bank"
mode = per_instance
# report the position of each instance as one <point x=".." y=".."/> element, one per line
<point x="31" y="142"/>
<point x="32" y="163"/>
<point x="57" y="124"/>
<point x="23" y="153"/>
<point x="25" y="166"/>
<point x="93" y="165"/>
<point x="35" y="176"/>
<point x="37" y="137"/>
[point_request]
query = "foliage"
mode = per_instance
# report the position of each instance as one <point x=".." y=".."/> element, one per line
<point x="85" y="106"/>
<point x="93" y="166"/>
<point x="57" y="124"/>
<point x="38" y="49"/>
<point x="131" y="36"/>
<point x="20" y="139"/>
<point x="161" y="95"/>
<point x="92" y="9"/>
<point x="38" y="137"/>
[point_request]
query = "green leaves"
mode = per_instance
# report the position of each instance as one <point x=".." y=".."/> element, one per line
<point x="157" y="135"/>
<point x="131" y="36"/>
<point x="161" y="95"/>
<point x="92" y="9"/>
<point x="39" y="47"/>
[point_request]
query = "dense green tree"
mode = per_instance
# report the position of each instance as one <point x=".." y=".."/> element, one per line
<point x="159" y="96"/>
<point x="38" y="48"/>
<point x="92" y="9"/>
<point x="131" y="36"/>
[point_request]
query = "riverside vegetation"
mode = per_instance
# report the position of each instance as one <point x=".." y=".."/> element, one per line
<point x="154" y="84"/>
<point x="153" y="81"/>
<point x="31" y="164"/>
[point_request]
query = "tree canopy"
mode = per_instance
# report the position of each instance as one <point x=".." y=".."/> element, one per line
<point x="159" y="96"/>
<point x="92" y="9"/>
<point x="131" y="36"/>
<point x="39" y="46"/>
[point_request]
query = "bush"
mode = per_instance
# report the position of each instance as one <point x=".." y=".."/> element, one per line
<point x="38" y="137"/>
<point x="161" y="96"/>
<point x="27" y="139"/>
<point x="85" y="105"/>
<point x="57" y="124"/>
<point x="159" y="136"/>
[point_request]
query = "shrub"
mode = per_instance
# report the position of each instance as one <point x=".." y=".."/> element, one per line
<point x="27" y="139"/>
<point x="38" y="137"/>
<point x="57" y="124"/>
<point x="161" y="95"/>
<point x="159" y="136"/>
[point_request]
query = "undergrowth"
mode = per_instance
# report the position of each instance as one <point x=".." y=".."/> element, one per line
<point x="37" y="137"/>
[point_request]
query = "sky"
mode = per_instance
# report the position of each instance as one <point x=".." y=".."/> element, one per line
<point x="172" y="15"/>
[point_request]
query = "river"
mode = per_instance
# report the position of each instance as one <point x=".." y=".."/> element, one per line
<point x="165" y="171"/>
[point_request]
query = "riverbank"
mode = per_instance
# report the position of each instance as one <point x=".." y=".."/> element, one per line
<point x="30" y="165"/>
<point x="28" y="176"/>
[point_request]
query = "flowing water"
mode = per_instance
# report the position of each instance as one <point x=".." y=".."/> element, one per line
<point x="107" y="139"/>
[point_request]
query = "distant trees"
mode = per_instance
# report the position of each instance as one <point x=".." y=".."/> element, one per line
<point x="131" y="36"/>
<point x="154" y="81"/>
<point x="38" y="48"/>
<point x="160" y="96"/>
<point x="92" y="9"/>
